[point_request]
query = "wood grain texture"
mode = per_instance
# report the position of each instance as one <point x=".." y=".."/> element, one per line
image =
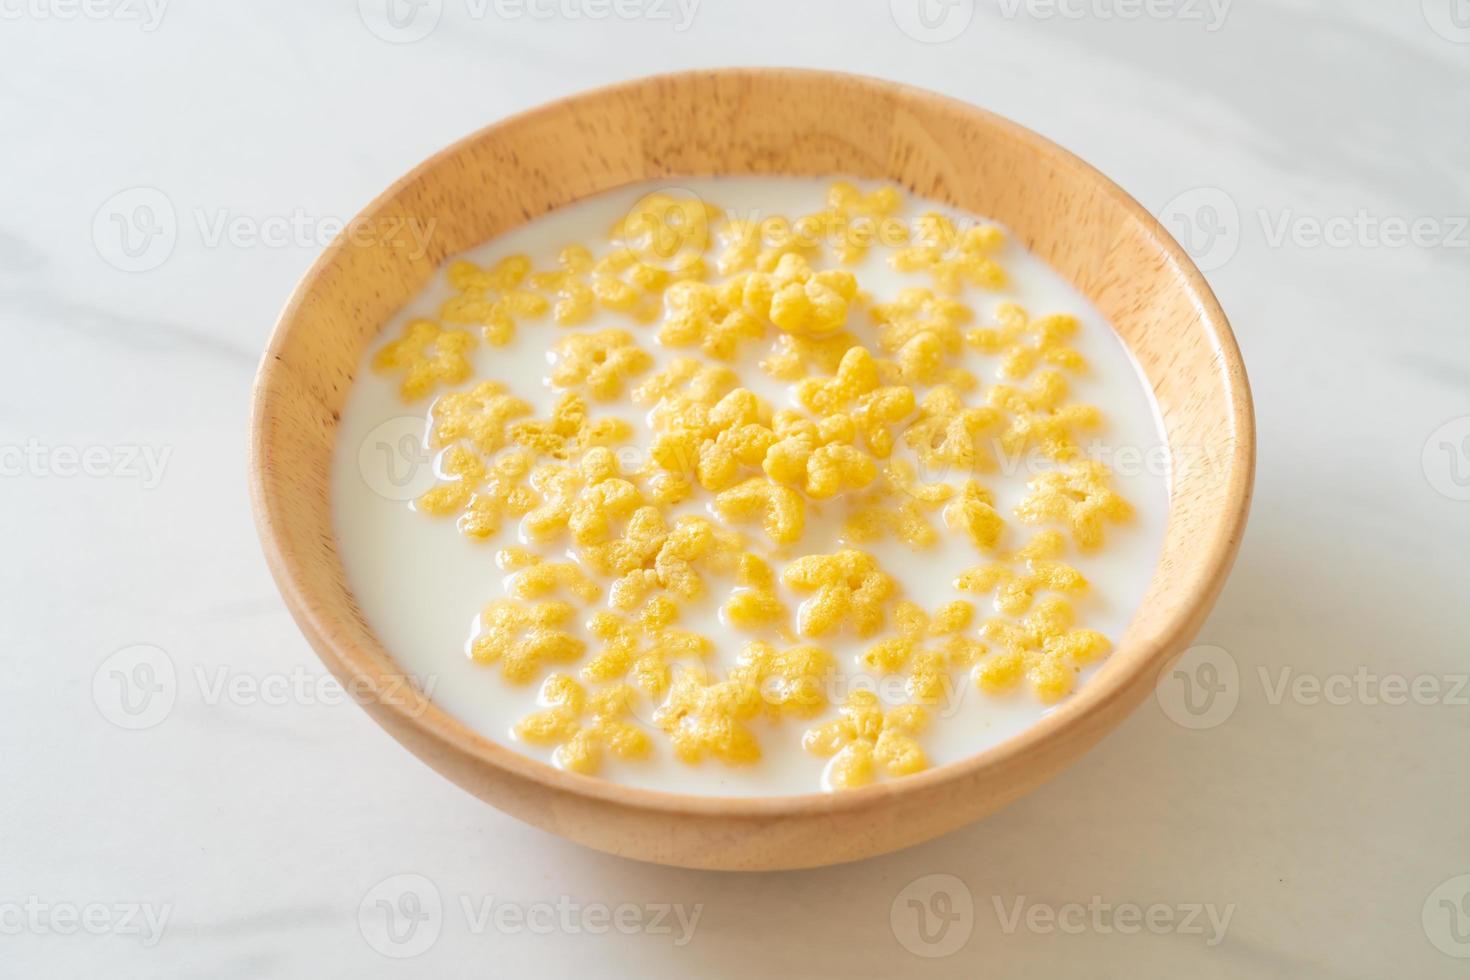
<point x="744" y="121"/>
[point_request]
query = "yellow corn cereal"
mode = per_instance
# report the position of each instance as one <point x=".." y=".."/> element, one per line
<point x="1015" y="590"/>
<point x="525" y="637"/>
<point x="1079" y="496"/>
<point x="848" y="587"/>
<point x="1040" y="418"/>
<point x="747" y="485"/>
<point x="1043" y="648"/>
<point x="709" y="720"/>
<point x="585" y="727"/>
<point x="867" y="739"/>
<point x="427" y="356"/>
<point x="599" y="363"/>
<point x="1023" y="344"/>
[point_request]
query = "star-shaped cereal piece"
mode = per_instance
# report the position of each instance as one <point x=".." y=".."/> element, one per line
<point x="483" y="496"/>
<point x="866" y="738"/>
<point x="599" y="363"/>
<point x="575" y="299"/>
<point x="491" y="298"/>
<point x="950" y="435"/>
<point x="926" y="647"/>
<point x="856" y="376"/>
<point x="1016" y="590"/>
<point x="684" y="388"/>
<point x="586" y="499"/>
<point x="708" y="317"/>
<point x="759" y="244"/>
<point x="478" y="415"/>
<point x="917" y="310"/>
<point x="1024" y="343"/>
<point x="533" y="577"/>
<point x="709" y="720"/>
<point x="900" y="507"/>
<point x="651" y="556"/>
<point x="817" y="457"/>
<point x="605" y="498"/>
<point x="954" y="258"/>
<point x="585" y="727"/>
<point x="1043" y="648"/>
<point x="427" y="356"/>
<point x="640" y="647"/>
<point x="791" y="681"/>
<point x="716" y="445"/>
<point x="1079" y="496"/>
<point x="798" y="300"/>
<point x="921" y="332"/>
<point x="525" y="637"/>
<point x="972" y="512"/>
<point x="755" y="604"/>
<point x="570" y="430"/>
<point x="858" y="220"/>
<point x="1041" y="418"/>
<point x="848" y="587"/>
<point x="854" y="392"/>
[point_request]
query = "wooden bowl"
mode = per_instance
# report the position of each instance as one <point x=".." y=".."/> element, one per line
<point x="754" y="121"/>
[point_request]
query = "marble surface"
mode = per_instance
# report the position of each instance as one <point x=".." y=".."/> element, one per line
<point x="172" y="168"/>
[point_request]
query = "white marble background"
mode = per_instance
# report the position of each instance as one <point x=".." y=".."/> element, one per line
<point x="1292" y="143"/>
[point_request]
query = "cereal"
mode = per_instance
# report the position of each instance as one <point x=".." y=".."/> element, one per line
<point x="583" y="726"/>
<point x="954" y="258"/>
<point x="1040" y="418"/>
<point x="848" y="587"/>
<point x="1024" y="343"/>
<point x="478" y="416"/>
<point x="1014" y="590"/>
<point x="701" y="315"/>
<point x="791" y="681"/>
<point x="1042" y="647"/>
<point x="641" y="647"/>
<point x="780" y="510"/>
<point x="704" y="720"/>
<point x="599" y="363"/>
<point x="701" y="479"/>
<point x="482" y="496"/>
<point x="972" y="511"/>
<point x="867" y="738"/>
<point x="427" y="356"/>
<point x="927" y="647"/>
<point x="524" y="637"/>
<point x="950" y="436"/>
<point x="1078" y="496"/>
<point x="490" y="298"/>
<point x="755" y="603"/>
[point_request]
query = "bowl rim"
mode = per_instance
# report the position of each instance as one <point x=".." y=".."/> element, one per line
<point x="1101" y="690"/>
